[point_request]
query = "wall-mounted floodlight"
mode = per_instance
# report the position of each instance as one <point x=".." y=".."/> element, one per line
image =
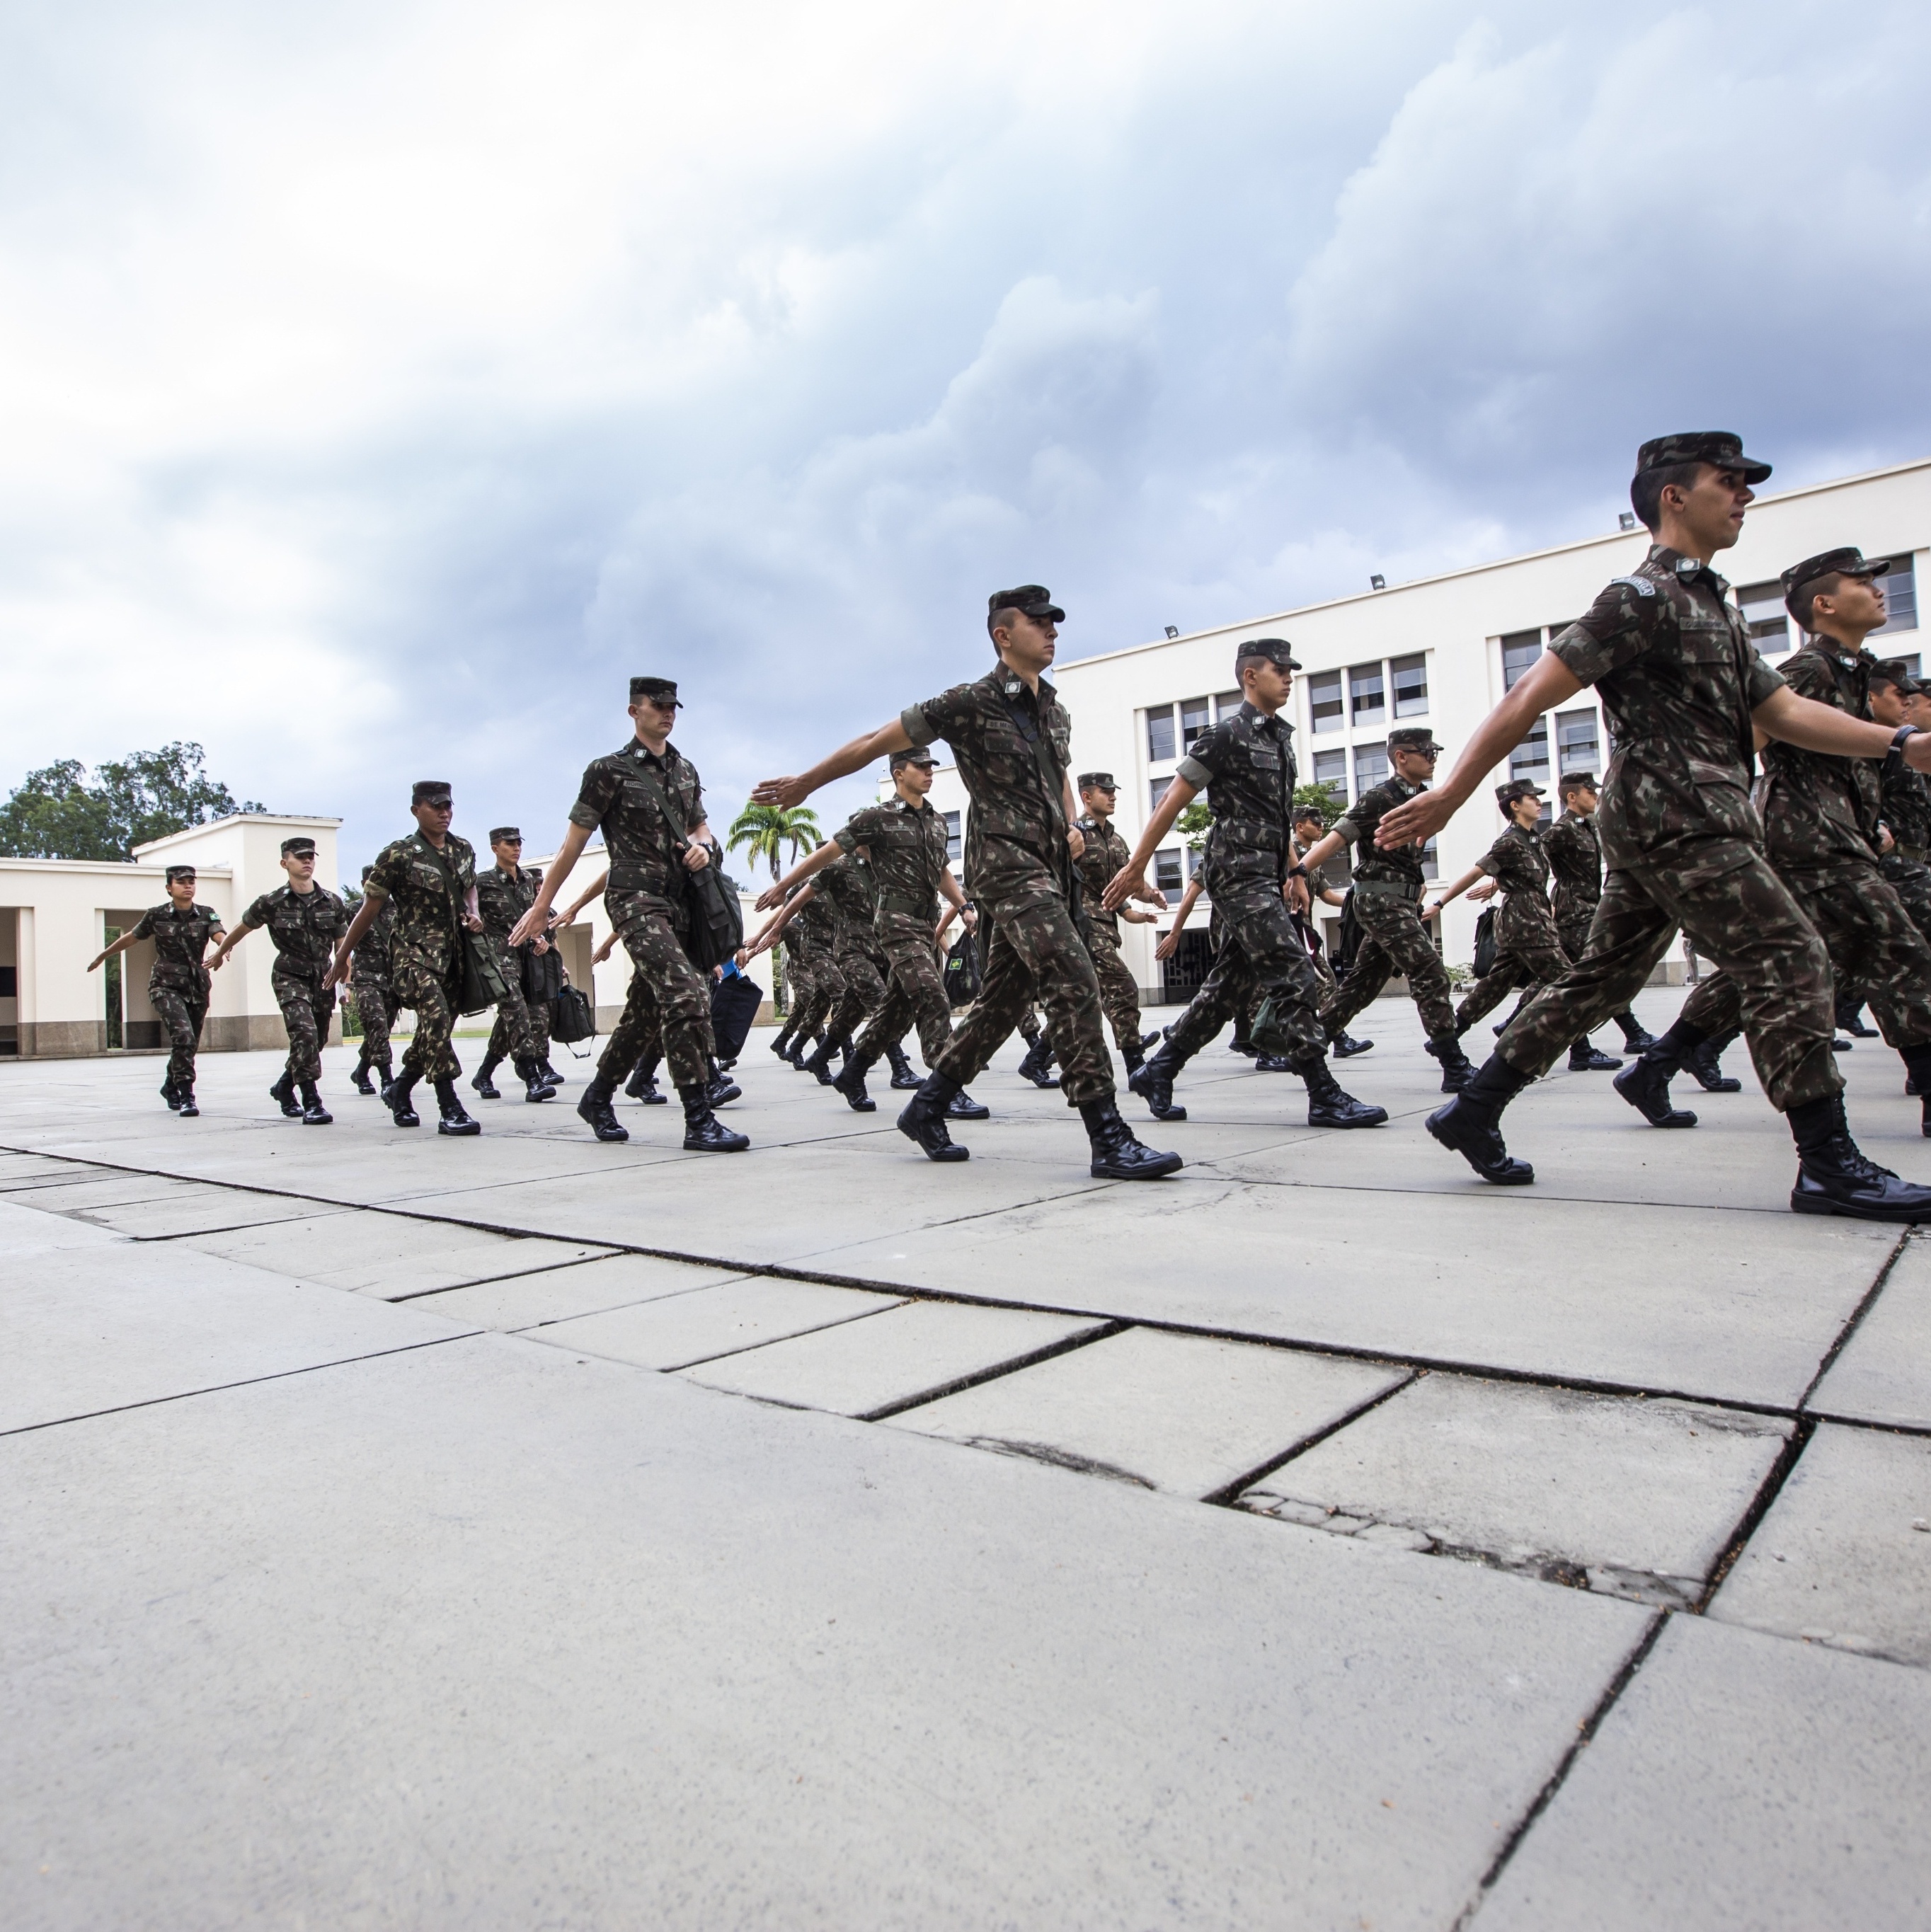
<point x="1627" y="520"/>
<point x="1377" y="583"/>
<point x="1174" y="630"/>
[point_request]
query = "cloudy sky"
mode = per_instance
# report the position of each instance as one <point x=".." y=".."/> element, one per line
<point x="381" y="384"/>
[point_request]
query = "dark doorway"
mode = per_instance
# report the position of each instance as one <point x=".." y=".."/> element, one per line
<point x="1192" y="961"/>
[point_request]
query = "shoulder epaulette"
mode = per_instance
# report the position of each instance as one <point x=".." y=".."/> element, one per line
<point x="1641" y="586"/>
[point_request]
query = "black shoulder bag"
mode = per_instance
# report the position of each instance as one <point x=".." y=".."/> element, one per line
<point x="715" y="929"/>
<point x="1052" y="782"/>
<point x="476" y="980"/>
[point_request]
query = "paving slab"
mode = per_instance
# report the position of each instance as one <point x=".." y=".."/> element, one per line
<point x="1885" y="1373"/>
<point x="677" y="1330"/>
<point x="389" y="1255"/>
<point x="1183" y="1413"/>
<point x="919" y="1349"/>
<point x="1741" y="1784"/>
<point x="1844" y="1556"/>
<point x="1639" y="1498"/>
<point x="556" y="1294"/>
<point x="58" y="1194"/>
<point x="38" y="1170"/>
<point x="198" y="1210"/>
<point x="487" y="1636"/>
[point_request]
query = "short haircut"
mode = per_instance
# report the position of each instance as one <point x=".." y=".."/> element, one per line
<point x="1004" y="615"/>
<point x="1576" y="781"/>
<point x="1802" y="602"/>
<point x="1646" y="490"/>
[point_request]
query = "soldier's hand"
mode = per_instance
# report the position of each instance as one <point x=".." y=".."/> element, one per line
<point x="1134" y="917"/>
<point x="780" y="791"/>
<point x="1120" y="887"/>
<point x="604" y="951"/>
<point x="1168" y="946"/>
<point x="1295" y="892"/>
<point x="1886" y="842"/>
<point x="337" y="971"/>
<point x="1157" y="897"/>
<point x="1076" y="841"/>
<point x="1431" y="910"/>
<point x="471" y="922"/>
<point x="695" y="858"/>
<point x="532" y="922"/>
<point x="1418" y="821"/>
<point x="770" y="900"/>
<point x="1486" y="890"/>
<point x="95" y="960"/>
<point x="540" y="946"/>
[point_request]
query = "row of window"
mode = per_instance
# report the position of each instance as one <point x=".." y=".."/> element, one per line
<point x="1368" y="686"/>
<point x="1196" y="716"/>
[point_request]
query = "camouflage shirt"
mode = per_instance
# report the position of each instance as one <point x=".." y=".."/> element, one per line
<point x="615" y="799"/>
<point x="304" y="927"/>
<point x="1574" y="855"/>
<point x="1679" y="678"/>
<point x="372" y="949"/>
<point x="502" y="898"/>
<point x="1517" y="863"/>
<point x="180" y="939"/>
<point x="1106" y="852"/>
<point x="1819" y="810"/>
<point x="427" y="888"/>
<point x="816" y="923"/>
<point x="845" y="886"/>
<point x="1906" y="799"/>
<point x="1403" y="865"/>
<point x="907" y="847"/>
<point x="1245" y="765"/>
<point x="1016" y="830"/>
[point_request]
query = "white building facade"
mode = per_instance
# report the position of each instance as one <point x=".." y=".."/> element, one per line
<point x="1441" y="652"/>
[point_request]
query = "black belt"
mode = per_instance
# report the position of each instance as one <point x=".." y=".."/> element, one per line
<point x="1400" y="888"/>
<point x="905" y="902"/>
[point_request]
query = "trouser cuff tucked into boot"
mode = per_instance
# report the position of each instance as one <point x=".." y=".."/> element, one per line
<point x="1329" y="1105"/>
<point x="1117" y="1154"/>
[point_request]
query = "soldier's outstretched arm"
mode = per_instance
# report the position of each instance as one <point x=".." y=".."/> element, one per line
<point x="584" y="897"/>
<point x="232" y="940"/>
<point x="774" y="928"/>
<point x="1179" y="795"/>
<point x="575" y="837"/>
<point x="1548" y="682"/>
<point x="1813" y="726"/>
<point x="121" y="945"/>
<point x="954" y="896"/>
<point x="776" y="894"/>
<point x="1455" y="891"/>
<point x="842" y="762"/>
<point x="340" y="967"/>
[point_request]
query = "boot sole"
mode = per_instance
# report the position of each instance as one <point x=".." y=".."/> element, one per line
<point x="951" y="1151"/>
<point x="1158" y="1168"/>
<point x="1375" y="1116"/>
<point x="1525" y="1178"/>
<point x="459" y="1130"/>
<point x="1806" y="1204"/>
<point x="740" y="1145"/>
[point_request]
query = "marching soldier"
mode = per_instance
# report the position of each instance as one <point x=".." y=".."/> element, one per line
<point x="521" y="1034"/>
<point x="1574" y="854"/>
<point x="1009" y="734"/>
<point x="1685" y="690"/>
<point x="177" y="982"/>
<point x="374" y="997"/>
<point x="304" y="920"/>
<point x="1105" y="853"/>
<point x="816" y="927"/>
<point x="1897" y="698"/>
<point x="1310" y="828"/>
<point x="1245" y="765"/>
<point x="431" y="877"/>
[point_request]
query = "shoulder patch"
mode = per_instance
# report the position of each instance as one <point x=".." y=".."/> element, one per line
<point x="1641" y="586"/>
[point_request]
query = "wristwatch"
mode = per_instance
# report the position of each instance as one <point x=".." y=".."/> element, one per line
<point x="1298" y="871"/>
<point x="1899" y="737"/>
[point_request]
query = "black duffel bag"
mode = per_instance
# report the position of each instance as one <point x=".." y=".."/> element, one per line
<point x="735" y="1001"/>
<point x="572" y="1018"/>
<point x="1485" y="944"/>
<point x="543" y="977"/>
<point x="962" y="971"/>
<point x="1347" y="941"/>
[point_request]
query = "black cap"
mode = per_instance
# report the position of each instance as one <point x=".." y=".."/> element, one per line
<point x="1096" y="781"/>
<point x="502" y="832"/>
<point x="1412" y="738"/>
<point x="1721" y="447"/>
<point x="431" y="791"/>
<point x="656" y="687"/>
<point x="1032" y="600"/>
<point x="1845" y="561"/>
<point x="1506" y="795"/>
<point x="1893" y="671"/>
<point x="917" y="755"/>
<point x="1272" y="650"/>
<point x="175" y="872"/>
<point x="297" y="847"/>
<point x="1576" y="781"/>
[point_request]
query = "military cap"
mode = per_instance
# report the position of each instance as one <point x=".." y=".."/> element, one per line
<point x="1506" y="795"/>
<point x="175" y="872"/>
<point x="1719" y="446"/>
<point x="1576" y="781"/>
<point x="366" y="871"/>
<point x="1846" y="561"/>
<point x="1412" y="738"/>
<point x="298" y="848"/>
<point x="1096" y="781"/>
<point x="917" y="755"/>
<point x="1893" y="672"/>
<point x="502" y="831"/>
<point x="1273" y="650"/>
<point x="665" y="688"/>
<point x="430" y="791"/>
<point x="1031" y="600"/>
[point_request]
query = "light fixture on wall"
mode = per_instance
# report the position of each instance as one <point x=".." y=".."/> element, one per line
<point x="1627" y="520"/>
<point x="1377" y="583"/>
<point x="1174" y="630"/>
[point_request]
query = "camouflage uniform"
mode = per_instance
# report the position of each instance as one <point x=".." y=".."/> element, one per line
<point x="907" y="845"/>
<point x="1679" y="678"/>
<point x="369" y="983"/>
<point x="1528" y="949"/>
<point x="1023" y="876"/>
<point x="1906" y="805"/>
<point x="1106" y="852"/>
<point x="1387" y="891"/>
<point x="817" y="928"/>
<point x="1318" y="882"/>
<point x="429" y="890"/>
<point x="845" y="886"/>
<point x="669" y="999"/>
<point x="521" y="1033"/>
<point x="1820" y="817"/>
<point x="305" y="928"/>
<point x="177" y="982"/>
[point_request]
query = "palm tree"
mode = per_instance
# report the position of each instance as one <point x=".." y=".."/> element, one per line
<point x="766" y="832"/>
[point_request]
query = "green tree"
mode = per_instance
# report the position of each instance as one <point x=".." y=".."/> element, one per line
<point x="1324" y="799"/>
<point x="1194" y="824"/>
<point x="766" y="831"/>
<point x="55" y="813"/>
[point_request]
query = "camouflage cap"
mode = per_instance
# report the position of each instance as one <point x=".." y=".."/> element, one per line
<point x="1895" y="671"/>
<point x="1412" y="738"/>
<point x="366" y="871"/>
<point x="1721" y="447"/>
<point x="431" y="791"/>
<point x="917" y="755"/>
<point x="665" y="689"/>
<point x="298" y="848"/>
<point x="1846" y="561"/>
<point x="1096" y="781"/>
<point x="499" y="833"/>
<point x="1031" y="600"/>
<point x="1506" y="795"/>
<point x="175" y="872"/>
<point x="1576" y="781"/>
<point x="1270" y="650"/>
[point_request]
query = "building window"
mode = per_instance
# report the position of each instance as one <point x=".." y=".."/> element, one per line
<point x="953" y="847"/>
<point x="1158" y="789"/>
<point x="1367" y="694"/>
<point x="1227" y="703"/>
<point x="1324" y="700"/>
<point x="1531" y="758"/>
<point x="1371" y="766"/>
<point x="1411" y="685"/>
<point x="1900" y="597"/>
<point x="1578" y="747"/>
<point x="1166" y="870"/>
<point x="1519" y="650"/>
<point x="1331" y="770"/>
<point x="1431" y="861"/>
<point x="1764" y="617"/>
<point x="1193" y="720"/>
<point x="1160" y="734"/>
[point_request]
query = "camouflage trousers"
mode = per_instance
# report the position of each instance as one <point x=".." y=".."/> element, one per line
<point x="1119" y="993"/>
<point x="307" y="1008"/>
<point x="522" y="1029"/>
<point x="669" y="999"/>
<point x="1910" y="879"/>
<point x="915" y="992"/>
<point x="1395" y="938"/>
<point x="827" y="987"/>
<point x="429" y="1055"/>
<point x="182" y="1010"/>
<point x="1035" y="951"/>
<point x="376" y="1015"/>
<point x="1736" y="911"/>
<point x="1530" y="963"/>
<point x="864" y="974"/>
<point x="1317" y="955"/>
<point x="1028" y="1025"/>
<point x="1875" y="948"/>
<point x="1574" y="933"/>
<point x="1262" y="957"/>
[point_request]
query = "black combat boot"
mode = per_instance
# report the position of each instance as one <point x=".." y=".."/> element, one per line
<point x="904" y="1080"/>
<point x="1457" y="1071"/>
<point x="1635" y="1039"/>
<point x="359" y="1080"/>
<point x="550" y="1073"/>
<point x="1584" y="1058"/>
<point x="1036" y="1066"/>
<point x="1154" y="1084"/>
<point x="1851" y="1020"/>
<point x="1273" y="1062"/>
<point x="594" y="1110"/>
<point x="851" y="1082"/>
<point x="453" y="1120"/>
<point x="483" y="1083"/>
<point x="535" y="1087"/>
<point x="1134" y="1054"/>
<point x="187" y="1110"/>
<point x="1345" y="1047"/>
<point x="923" y="1119"/>
<point x="720" y="1089"/>
<point x="1329" y="1105"/>
<point x="1153" y="1038"/>
<point x="801" y="1045"/>
<point x="1471" y="1123"/>
<point x="1918" y="1064"/>
<point x="395" y="1097"/>
<point x="1240" y="1043"/>
<point x="1645" y="1082"/>
<point x="1117" y="1155"/>
<point x="703" y="1132"/>
<point x="1834" y="1177"/>
<point x="819" y="1065"/>
<point x="171" y="1093"/>
<point x="283" y="1092"/>
<point x="642" y="1084"/>
<point x="1705" y="1063"/>
<point x="962" y="1107"/>
<point x="313" y="1114"/>
<point x="781" y="1045"/>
